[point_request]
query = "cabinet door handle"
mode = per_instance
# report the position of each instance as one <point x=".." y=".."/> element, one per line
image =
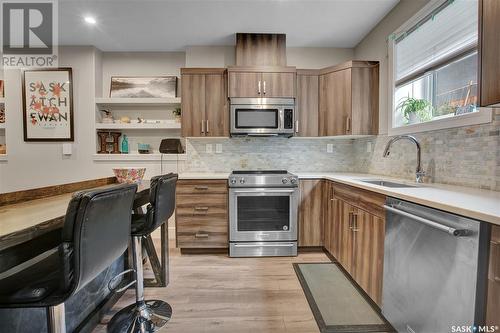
<point x="200" y="187"/>
<point x="200" y="208"/>
<point x="207" y="127"/>
<point x="201" y="235"/>
<point x="355" y="222"/>
<point x="348" y="124"/>
<point x="264" y="87"/>
<point x="202" y="126"/>
<point x="350" y="220"/>
<point x="259" y="88"/>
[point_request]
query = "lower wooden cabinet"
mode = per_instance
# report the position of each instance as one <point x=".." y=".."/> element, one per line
<point x="354" y="235"/>
<point x="311" y="208"/>
<point x="202" y="214"/>
<point x="493" y="306"/>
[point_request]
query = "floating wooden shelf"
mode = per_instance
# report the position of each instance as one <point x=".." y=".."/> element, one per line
<point x="138" y="157"/>
<point x="139" y="126"/>
<point x="137" y="101"/>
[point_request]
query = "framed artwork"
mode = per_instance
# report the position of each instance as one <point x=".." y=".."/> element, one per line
<point x="2" y="94"/>
<point x="143" y="86"/>
<point x="48" y="104"/>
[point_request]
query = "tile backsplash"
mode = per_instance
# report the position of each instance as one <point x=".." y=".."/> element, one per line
<point x="268" y="153"/>
<point x="466" y="156"/>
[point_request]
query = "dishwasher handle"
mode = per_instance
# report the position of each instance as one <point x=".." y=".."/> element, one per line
<point x="432" y="224"/>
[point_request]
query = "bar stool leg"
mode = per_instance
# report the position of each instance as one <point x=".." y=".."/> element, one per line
<point x="56" y="319"/>
<point x="145" y="316"/>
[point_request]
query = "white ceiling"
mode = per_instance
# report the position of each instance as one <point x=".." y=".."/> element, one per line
<point x="171" y="25"/>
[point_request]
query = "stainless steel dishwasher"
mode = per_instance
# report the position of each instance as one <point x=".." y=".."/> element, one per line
<point x="434" y="269"/>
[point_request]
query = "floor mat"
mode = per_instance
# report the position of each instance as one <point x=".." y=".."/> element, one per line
<point x="337" y="304"/>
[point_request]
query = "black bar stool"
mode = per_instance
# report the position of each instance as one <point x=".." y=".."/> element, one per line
<point x="95" y="233"/>
<point x="145" y="316"/>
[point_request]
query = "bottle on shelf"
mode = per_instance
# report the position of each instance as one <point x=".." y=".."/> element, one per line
<point x="125" y="145"/>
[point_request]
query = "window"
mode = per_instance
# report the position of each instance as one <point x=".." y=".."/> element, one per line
<point x="434" y="69"/>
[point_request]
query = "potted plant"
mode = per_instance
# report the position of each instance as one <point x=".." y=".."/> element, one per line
<point x="177" y="114"/>
<point x="414" y="110"/>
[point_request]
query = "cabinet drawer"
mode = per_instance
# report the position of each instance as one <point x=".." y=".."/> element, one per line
<point x="202" y="232"/>
<point x="202" y="239"/>
<point x="202" y="187"/>
<point x="197" y="204"/>
<point x="366" y="200"/>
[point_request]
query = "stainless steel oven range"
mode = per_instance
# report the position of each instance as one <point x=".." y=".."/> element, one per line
<point x="263" y="208"/>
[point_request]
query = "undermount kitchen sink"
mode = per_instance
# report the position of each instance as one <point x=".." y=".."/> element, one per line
<point x="386" y="183"/>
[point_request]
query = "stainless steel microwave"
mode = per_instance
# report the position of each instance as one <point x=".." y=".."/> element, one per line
<point x="263" y="116"/>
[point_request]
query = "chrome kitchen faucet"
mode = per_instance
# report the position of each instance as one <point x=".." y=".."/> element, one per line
<point x="419" y="173"/>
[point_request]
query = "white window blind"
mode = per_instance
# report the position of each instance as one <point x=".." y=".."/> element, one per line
<point x="450" y="30"/>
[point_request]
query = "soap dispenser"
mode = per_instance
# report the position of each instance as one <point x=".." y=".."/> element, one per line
<point x="125" y="145"/>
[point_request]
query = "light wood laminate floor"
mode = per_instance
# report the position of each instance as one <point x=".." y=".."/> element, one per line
<point x="214" y="293"/>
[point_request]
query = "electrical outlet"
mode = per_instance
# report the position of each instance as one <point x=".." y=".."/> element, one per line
<point x="369" y="147"/>
<point x="218" y="148"/>
<point x="208" y="148"/>
<point x="329" y="147"/>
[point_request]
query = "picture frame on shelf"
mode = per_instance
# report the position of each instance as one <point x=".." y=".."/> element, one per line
<point x="48" y="105"/>
<point x="143" y="87"/>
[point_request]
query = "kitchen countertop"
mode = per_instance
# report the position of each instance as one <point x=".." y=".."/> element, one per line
<point x="479" y="204"/>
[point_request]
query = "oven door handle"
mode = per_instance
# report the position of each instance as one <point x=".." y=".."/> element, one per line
<point x="264" y="191"/>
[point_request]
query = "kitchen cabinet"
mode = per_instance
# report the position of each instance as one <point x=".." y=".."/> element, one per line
<point x="354" y="234"/>
<point x="348" y="99"/>
<point x="261" y="81"/>
<point x="307" y="104"/>
<point x="489" y="53"/>
<point x="204" y="107"/>
<point x="493" y="304"/>
<point x="201" y="214"/>
<point x="311" y="212"/>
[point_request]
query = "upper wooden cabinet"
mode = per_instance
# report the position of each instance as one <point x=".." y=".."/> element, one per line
<point x="489" y="53"/>
<point x="311" y="210"/>
<point x="307" y="103"/>
<point x="261" y="81"/>
<point x="204" y="102"/>
<point x="348" y="99"/>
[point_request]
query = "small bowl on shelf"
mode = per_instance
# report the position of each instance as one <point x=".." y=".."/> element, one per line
<point x="129" y="175"/>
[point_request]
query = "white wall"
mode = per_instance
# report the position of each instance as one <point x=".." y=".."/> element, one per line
<point x="317" y="57"/>
<point x="210" y="56"/>
<point x="374" y="47"/>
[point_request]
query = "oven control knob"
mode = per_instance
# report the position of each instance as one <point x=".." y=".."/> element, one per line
<point x="284" y="180"/>
<point x="233" y="180"/>
<point x="293" y="181"/>
<point x="242" y="180"/>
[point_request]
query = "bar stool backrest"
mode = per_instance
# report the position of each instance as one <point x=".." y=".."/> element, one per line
<point x="162" y="201"/>
<point x="96" y="232"/>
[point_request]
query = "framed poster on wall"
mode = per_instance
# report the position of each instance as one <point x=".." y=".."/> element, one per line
<point x="48" y="104"/>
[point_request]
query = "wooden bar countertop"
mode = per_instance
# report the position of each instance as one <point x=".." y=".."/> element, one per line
<point x="25" y="220"/>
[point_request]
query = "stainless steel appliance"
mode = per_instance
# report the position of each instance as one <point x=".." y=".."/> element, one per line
<point x="262" y="116"/>
<point x="434" y="269"/>
<point x="263" y="208"/>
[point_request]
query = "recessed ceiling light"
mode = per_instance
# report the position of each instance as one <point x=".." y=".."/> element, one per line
<point x="90" y="20"/>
